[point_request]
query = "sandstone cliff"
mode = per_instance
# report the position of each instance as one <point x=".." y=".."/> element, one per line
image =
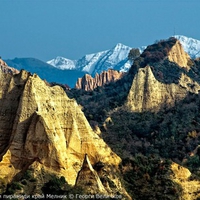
<point x="93" y="180"/>
<point x="6" y="69"/>
<point x="170" y="49"/>
<point x="179" y="56"/>
<point x="182" y="176"/>
<point x="41" y="128"/>
<point x="88" y="83"/>
<point x="148" y="94"/>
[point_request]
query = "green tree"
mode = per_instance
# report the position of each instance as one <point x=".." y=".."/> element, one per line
<point x="133" y="54"/>
<point x="54" y="186"/>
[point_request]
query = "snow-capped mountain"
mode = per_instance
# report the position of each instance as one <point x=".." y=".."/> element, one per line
<point x="63" y="70"/>
<point x="115" y="58"/>
<point x="88" y="62"/>
<point x="190" y="45"/>
<point x="62" y="63"/>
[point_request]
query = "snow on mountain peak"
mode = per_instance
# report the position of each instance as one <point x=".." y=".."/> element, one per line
<point x="62" y="63"/>
<point x="96" y="62"/>
<point x="190" y="45"/>
<point x="116" y="57"/>
<point x="119" y="46"/>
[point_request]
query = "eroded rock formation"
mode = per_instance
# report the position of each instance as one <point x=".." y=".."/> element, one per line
<point x="179" y="56"/>
<point x="182" y="176"/>
<point x="148" y="94"/>
<point x="40" y="127"/>
<point x="6" y="69"/>
<point x="92" y="180"/>
<point x="88" y="83"/>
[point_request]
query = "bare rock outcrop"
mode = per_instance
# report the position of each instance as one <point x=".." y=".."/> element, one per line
<point x="6" y="69"/>
<point x="40" y="127"/>
<point x="93" y="180"/>
<point x="88" y="83"/>
<point x="148" y="94"/>
<point x="96" y="181"/>
<point x="179" y="56"/>
<point x="182" y="176"/>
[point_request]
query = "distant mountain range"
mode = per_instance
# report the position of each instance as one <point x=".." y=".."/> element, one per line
<point x="114" y="58"/>
<point x="46" y="71"/>
<point x="141" y="130"/>
<point x="66" y="71"/>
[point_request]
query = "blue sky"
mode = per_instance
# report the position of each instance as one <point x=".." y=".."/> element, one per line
<point x="45" y="29"/>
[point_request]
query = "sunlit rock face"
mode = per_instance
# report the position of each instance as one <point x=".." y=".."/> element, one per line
<point x="88" y="176"/>
<point x="88" y="83"/>
<point x="6" y="69"/>
<point x="179" y="56"/>
<point x="96" y="180"/>
<point x="182" y="176"/>
<point x="148" y="94"/>
<point x="41" y="127"/>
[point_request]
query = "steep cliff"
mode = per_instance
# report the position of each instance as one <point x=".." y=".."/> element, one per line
<point x="6" y="69"/>
<point x="179" y="56"/>
<point x="93" y="179"/>
<point x="170" y="49"/>
<point x="41" y="128"/>
<point x="88" y="83"/>
<point x="151" y="117"/>
<point x="170" y="63"/>
<point x="148" y="94"/>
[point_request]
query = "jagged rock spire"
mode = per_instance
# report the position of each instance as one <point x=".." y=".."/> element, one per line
<point x="148" y="94"/>
<point x="88" y="178"/>
<point x="43" y="129"/>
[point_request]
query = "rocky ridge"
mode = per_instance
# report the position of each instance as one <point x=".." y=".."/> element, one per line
<point x="94" y="181"/>
<point x="190" y="45"/>
<point x="179" y="56"/>
<point x="149" y="94"/>
<point x="88" y="83"/>
<point x="155" y="109"/>
<point x="41" y="128"/>
<point x="114" y="58"/>
<point x="6" y="69"/>
<point x="159" y="134"/>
